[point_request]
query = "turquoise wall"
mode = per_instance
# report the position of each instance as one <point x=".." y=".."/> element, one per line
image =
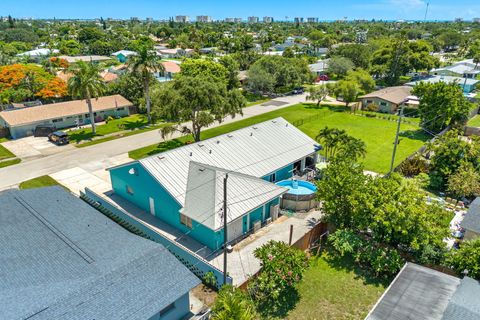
<point x="281" y="174"/>
<point x="167" y="208"/>
<point x="181" y="309"/>
<point x="268" y="205"/>
<point x="255" y="215"/>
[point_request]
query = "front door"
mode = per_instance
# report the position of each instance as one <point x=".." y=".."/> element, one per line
<point x="235" y="229"/>
<point x="152" y="206"/>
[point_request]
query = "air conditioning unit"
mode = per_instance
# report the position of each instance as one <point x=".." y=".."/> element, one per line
<point x="256" y="226"/>
<point x="268" y="220"/>
<point x="274" y="210"/>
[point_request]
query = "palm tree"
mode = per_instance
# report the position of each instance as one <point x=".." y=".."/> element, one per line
<point x="233" y="304"/>
<point x="86" y="83"/>
<point x="143" y="64"/>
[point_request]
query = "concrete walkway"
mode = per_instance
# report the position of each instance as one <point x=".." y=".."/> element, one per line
<point x="107" y="154"/>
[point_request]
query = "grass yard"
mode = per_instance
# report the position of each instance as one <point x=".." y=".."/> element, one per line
<point x="5" y="153"/>
<point x="333" y="289"/>
<point x="377" y="133"/>
<point x="133" y="124"/>
<point x="43" y="181"/>
<point x="475" y="121"/>
<point x="7" y="163"/>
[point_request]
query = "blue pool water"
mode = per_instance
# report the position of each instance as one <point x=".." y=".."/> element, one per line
<point x="298" y="187"/>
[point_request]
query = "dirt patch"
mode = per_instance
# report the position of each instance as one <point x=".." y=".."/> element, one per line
<point x="205" y="294"/>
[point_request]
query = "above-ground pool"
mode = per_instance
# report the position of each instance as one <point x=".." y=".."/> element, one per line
<point x="300" y="196"/>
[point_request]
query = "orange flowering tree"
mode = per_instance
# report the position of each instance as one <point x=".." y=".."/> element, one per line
<point x="20" y="82"/>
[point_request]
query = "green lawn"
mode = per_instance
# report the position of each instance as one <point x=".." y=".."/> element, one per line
<point x="5" y="153"/>
<point x="133" y="124"/>
<point x="377" y="133"/>
<point x="43" y="181"/>
<point x="333" y="289"/>
<point x="7" y="163"/>
<point x="475" y="121"/>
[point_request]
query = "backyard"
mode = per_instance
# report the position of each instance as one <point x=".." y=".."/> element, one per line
<point x="133" y="124"/>
<point x="333" y="289"/>
<point x="378" y="133"/>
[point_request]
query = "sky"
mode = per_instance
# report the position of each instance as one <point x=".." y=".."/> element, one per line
<point x="218" y="9"/>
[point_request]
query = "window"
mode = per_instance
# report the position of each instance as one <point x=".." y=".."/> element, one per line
<point x="57" y="120"/>
<point x="273" y="177"/>
<point x="167" y="309"/>
<point x="185" y="220"/>
<point x="383" y="104"/>
<point x="120" y="109"/>
<point x="129" y="190"/>
<point x="369" y="101"/>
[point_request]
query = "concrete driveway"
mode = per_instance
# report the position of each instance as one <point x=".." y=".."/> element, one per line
<point x="34" y="147"/>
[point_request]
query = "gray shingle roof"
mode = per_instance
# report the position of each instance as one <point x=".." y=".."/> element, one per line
<point x="472" y="218"/>
<point x="61" y="259"/>
<point x="465" y="303"/>
<point x="416" y="293"/>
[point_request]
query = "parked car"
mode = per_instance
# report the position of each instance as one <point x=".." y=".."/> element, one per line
<point x="58" y="137"/>
<point x="323" y="77"/>
<point x="298" y="90"/>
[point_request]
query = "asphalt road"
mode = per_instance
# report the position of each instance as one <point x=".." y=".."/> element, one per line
<point x="107" y="154"/>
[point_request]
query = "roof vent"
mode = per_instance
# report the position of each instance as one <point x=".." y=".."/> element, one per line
<point x="255" y="128"/>
<point x="251" y="134"/>
<point x="274" y="121"/>
<point x="201" y="169"/>
<point x="286" y="124"/>
<point x="229" y="135"/>
<point x="161" y="158"/>
<point x="210" y="151"/>
<point x="191" y="154"/>
<point x="218" y="141"/>
<point x="201" y="145"/>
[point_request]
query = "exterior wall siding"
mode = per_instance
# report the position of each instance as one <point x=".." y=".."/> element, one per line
<point x="179" y="311"/>
<point x="281" y="174"/>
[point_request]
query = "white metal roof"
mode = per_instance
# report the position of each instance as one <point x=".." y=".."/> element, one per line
<point x="38" y="52"/>
<point x="204" y="196"/>
<point x="257" y="151"/>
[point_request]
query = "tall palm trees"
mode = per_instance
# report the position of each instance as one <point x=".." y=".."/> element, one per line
<point x="86" y="83"/>
<point x="144" y="63"/>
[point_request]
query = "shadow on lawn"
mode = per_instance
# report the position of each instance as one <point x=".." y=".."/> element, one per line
<point x="132" y="125"/>
<point x="326" y="107"/>
<point x="285" y="303"/>
<point x="165" y="146"/>
<point x="415" y="135"/>
<point x="348" y="264"/>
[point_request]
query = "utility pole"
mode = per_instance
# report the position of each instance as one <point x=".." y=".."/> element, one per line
<point x="225" y="236"/>
<point x="396" y="140"/>
<point x="426" y="12"/>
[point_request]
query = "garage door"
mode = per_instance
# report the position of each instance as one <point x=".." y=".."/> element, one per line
<point x="235" y="229"/>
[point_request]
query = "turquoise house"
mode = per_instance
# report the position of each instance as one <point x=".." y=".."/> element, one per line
<point x="123" y="55"/>
<point x="184" y="187"/>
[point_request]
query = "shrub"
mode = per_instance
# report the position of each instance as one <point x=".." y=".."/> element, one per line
<point x="413" y="166"/>
<point x="371" y="107"/>
<point x="232" y="303"/>
<point x="467" y="258"/>
<point x="210" y="280"/>
<point x="110" y="118"/>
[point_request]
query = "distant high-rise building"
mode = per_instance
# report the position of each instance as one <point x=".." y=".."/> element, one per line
<point x="237" y="20"/>
<point x="268" y="19"/>
<point x="298" y="20"/>
<point x="149" y="19"/>
<point x="476" y="20"/>
<point x="312" y="20"/>
<point x="134" y="19"/>
<point x="253" y="19"/>
<point x="182" y="19"/>
<point x="204" y="19"/>
<point x="231" y="20"/>
<point x="458" y="19"/>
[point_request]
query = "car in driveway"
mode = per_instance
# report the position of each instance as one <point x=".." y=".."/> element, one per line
<point x="58" y="137"/>
<point x="298" y="90"/>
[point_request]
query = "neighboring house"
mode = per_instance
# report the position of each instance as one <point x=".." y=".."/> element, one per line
<point x="38" y="53"/>
<point x="175" y="53"/>
<point x="62" y="259"/>
<point x="119" y="69"/>
<point x="421" y="293"/>
<point x="464" y="69"/>
<point x="91" y="58"/>
<point x="22" y="122"/>
<point x="123" y="55"/>
<point x="108" y="76"/>
<point x="208" y="50"/>
<point x="468" y="85"/>
<point x="319" y="68"/>
<point x="471" y="222"/>
<point x="171" y="69"/>
<point x="184" y="186"/>
<point x="389" y="99"/>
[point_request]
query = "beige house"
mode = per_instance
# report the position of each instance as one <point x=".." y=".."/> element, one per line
<point x="471" y="223"/>
<point x="22" y="121"/>
<point x="389" y="99"/>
